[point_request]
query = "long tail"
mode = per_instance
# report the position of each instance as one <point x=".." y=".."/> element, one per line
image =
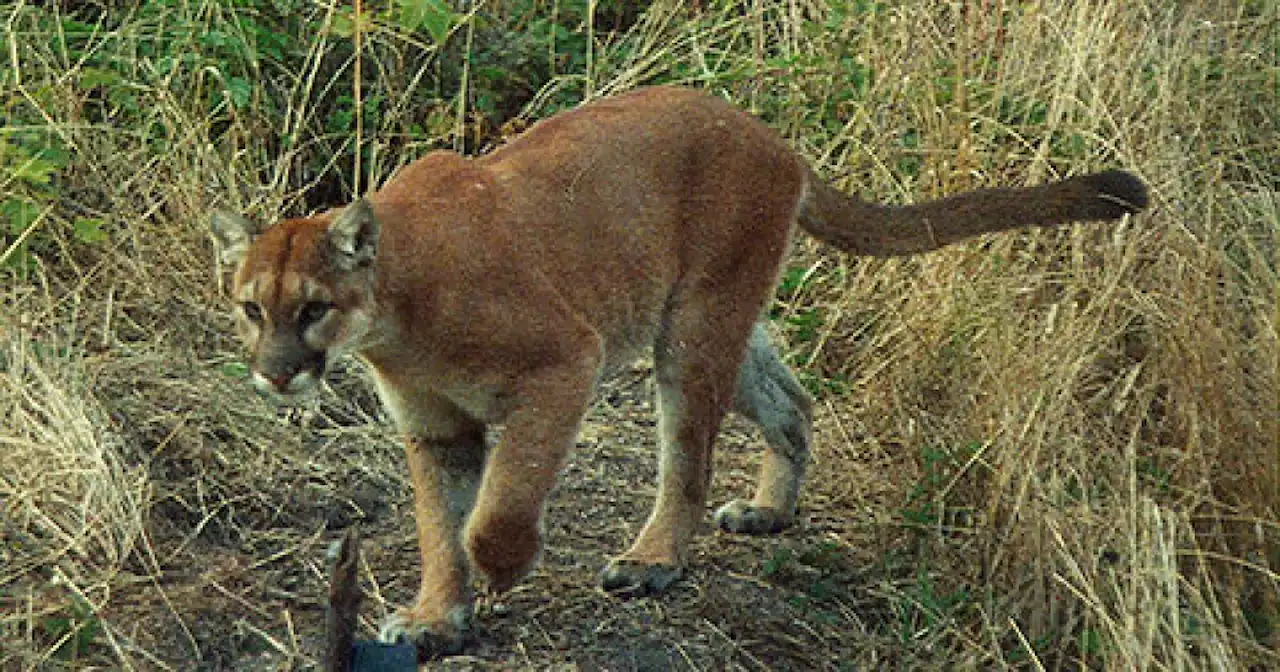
<point x="878" y="230"/>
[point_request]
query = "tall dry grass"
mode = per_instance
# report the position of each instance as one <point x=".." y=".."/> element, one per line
<point x="1074" y="432"/>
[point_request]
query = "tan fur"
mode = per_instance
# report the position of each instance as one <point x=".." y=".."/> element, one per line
<point x="501" y="289"/>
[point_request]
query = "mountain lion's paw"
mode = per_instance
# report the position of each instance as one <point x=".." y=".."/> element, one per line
<point x="635" y="579"/>
<point x="743" y="517"/>
<point x="433" y="640"/>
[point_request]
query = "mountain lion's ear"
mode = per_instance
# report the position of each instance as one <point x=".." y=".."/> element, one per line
<point x="233" y="234"/>
<point x="353" y="235"/>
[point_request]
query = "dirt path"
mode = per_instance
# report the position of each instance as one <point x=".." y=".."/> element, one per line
<point x="794" y="601"/>
<point x="745" y="603"/>
<point x="725" y="615"/>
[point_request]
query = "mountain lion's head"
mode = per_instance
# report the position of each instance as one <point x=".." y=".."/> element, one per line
<point x="302" y="291"/>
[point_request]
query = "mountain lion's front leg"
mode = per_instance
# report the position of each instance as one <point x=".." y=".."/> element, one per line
<point x="446" y="453"/>
<point x="503" y="536"/>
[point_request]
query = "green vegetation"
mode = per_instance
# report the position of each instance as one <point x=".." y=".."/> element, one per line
<point x="73" y="632"/>
<point x="1055" y="449"/>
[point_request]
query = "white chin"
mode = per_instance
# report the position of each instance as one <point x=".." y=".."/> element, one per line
<point x="300" y="384"/>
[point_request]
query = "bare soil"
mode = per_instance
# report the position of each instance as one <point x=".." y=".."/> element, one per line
<point x="798" y="600"/>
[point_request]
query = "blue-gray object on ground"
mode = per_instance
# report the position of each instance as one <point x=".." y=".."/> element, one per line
<point x="378" y="657"/>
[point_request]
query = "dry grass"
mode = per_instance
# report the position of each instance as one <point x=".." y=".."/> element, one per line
<point x="1054" y="449"/>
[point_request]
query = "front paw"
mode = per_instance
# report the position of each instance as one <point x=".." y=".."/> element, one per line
<point x="433" y="640"/>
<point x="503" y="549"/>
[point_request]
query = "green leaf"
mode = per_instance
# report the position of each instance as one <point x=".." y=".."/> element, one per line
<point x="793" y="279"/>
<point x="240" y="91"/>
<point x="74" y="28"/>
<point x="1091" y="642"/>
<point x="18" y="260"/>
<point x="439" y="20"/>
<point x="33" y="167"/>
<point x="344" y="23"/>
<point x="35" y="171"/>
<point x="19" y="213"/>
<point x="19" y="216"/>
<point x="89" y="230"/>
<point x="434" y="15"/>
<point x="95" y="77"/>
<point x="54" y="153"/>
<point x="411" y="15"/>
<point x="216" y="38"/>
<point x="237" y="370"/>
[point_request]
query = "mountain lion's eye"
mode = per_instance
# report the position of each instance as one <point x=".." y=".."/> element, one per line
<point x="252" y="311"/>
<point x="313" y="312"/>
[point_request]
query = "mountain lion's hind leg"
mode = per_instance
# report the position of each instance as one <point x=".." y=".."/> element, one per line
<point x="695" y="362"/>
<point x="446" y="454"/>
<point x="769" y="394"/>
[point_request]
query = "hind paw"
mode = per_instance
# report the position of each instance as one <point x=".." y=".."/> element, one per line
<point x="634" y="579"/>
<point x="743" y="517"/>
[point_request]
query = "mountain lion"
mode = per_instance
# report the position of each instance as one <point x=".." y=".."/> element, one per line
<point x="501" y="289"/>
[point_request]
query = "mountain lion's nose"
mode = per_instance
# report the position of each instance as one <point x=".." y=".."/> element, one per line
<point x="281" y="381"/>
<point x="276" y="380"/>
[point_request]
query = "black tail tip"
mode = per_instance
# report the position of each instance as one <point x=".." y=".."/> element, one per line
<point x="1118" y="192"/>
